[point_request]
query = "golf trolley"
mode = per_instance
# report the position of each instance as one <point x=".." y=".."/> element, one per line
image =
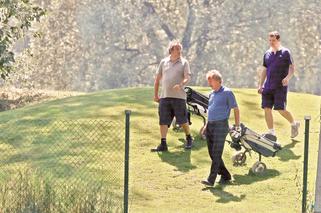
<point x="197" y="104"/>
<point x="265" y="145"/>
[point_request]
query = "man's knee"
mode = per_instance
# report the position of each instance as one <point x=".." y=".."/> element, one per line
<point x="282" y="111"/>
<point x="185" y="125"/>
<point x="267" y="109"/>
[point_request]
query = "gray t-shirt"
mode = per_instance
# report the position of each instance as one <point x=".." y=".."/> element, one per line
<point x="173" y="73"/>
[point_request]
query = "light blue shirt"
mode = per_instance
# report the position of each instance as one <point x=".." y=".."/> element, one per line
<point x="220" y="104"/>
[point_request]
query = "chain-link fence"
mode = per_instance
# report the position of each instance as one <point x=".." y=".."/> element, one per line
<point x="62" y="166"/>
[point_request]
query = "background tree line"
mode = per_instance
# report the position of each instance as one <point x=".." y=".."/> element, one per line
<point x="100" y="44"/>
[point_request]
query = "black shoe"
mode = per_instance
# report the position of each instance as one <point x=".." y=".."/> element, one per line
<point x="207" y="182"/>
<point x="189" y="142"/>
<point x="160" y="148"/>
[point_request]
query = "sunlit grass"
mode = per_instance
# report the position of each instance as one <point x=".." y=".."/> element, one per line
<point x="170" y="182"/>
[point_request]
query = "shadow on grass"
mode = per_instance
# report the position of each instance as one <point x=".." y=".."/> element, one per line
<point x="197" y="145"/>
<point x="287" y="154"/>
<point x="250" y="178"/>
<point x="62" y="148"/>
<point x="180" y="159"/>
<point x="223" y="196"/>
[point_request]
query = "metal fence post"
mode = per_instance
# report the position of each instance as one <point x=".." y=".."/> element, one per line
<point x="305" y="162"/>
<point x="126" y="172"/>
<point x="317" y="203"/>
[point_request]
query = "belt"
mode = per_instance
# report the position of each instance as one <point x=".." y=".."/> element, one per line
<point x="219" y="121"/>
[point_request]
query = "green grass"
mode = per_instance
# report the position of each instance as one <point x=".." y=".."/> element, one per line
<point x="29" y="192"/>
<point x="170" y="182"/>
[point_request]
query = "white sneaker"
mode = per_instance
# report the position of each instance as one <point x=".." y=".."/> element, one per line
<point x="270" y="132"/>
<point x="295" y="129"/>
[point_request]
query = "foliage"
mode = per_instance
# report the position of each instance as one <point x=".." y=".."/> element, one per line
<point x="16" y="17"/>
<point x="100" y="44"/>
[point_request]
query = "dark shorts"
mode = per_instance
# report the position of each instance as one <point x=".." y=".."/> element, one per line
<point x="170" y="107"/>
<point x="275" y="98"/>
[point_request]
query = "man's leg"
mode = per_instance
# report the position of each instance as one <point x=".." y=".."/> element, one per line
<point x="186" y="129"/>
<point x="280" y="106"/>
<point x="225" y="174"/>
<point x="209" y="140"/>
<point x="217" y="151"/>
<point x="287" y="115"/>
<point x="163" y="130"/>
<point x="180" y="111"/>
<point x="269" y="119"/>
<point x="165" y="118"/>
<point x="163" y="145"/>
<point x="267" y="104"/>
<point x="219" y="133"/>
<point x="189" y="138"/>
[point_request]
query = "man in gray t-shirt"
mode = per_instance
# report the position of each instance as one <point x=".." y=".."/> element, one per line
<point x="173" y="73"/>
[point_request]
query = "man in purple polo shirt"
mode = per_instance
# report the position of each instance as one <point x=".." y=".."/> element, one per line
<point x="278" y="69"/>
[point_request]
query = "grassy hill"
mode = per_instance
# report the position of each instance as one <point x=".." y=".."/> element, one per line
<point x="170" y="182"/>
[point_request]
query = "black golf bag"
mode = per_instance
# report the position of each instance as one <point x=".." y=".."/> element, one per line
<point x="197" y="104"/>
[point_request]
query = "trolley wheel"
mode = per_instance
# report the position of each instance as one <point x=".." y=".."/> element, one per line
<point x="203" y="136"/>
<point x="239" y="159"/>
<point x="258" y="168"/>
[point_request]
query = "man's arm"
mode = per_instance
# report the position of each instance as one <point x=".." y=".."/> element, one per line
<point x="285" y="81"/>
<point x="262" y="79"/>
<point x="237" y="116"/>
<point x="158" y="77"/>
<point x="183" y="83"/>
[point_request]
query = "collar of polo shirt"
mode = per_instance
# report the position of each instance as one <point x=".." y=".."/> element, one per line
<point x="280" y="47"/>
<point x="220" y="89"/>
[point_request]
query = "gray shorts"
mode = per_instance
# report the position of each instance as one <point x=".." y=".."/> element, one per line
<point x="170" y="107"/>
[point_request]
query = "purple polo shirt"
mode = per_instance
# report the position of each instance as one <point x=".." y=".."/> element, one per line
<point x="277" y="67"/>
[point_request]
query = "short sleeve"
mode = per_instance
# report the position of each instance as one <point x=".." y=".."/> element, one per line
<point x="264" y="62"/>
<point x="231" y="100"/>
<point x="187" y="70"/>
<point x="290" y="59"/>
<point x="159" y="70"/>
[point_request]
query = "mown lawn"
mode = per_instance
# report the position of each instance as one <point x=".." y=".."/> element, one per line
<point x="165" y="182"/>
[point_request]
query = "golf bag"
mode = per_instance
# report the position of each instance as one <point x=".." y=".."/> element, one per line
<point x="265" y="145"/>
<point x="197" y="104"/>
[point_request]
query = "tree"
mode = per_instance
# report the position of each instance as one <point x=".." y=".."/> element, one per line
<point x="100" y="44"/>
<point x="16" y="17"/>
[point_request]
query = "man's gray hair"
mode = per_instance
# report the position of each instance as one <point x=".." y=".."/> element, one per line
<point x="173" y="44"/>
<point x="214" y="74"/>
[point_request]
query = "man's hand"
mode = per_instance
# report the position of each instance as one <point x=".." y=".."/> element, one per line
<point x="177" y="87"/>
<point x="238" y="128"/>
<point x="285" y="82"/>
<point x="260" y="90"/>
<point x="236" y="132"/>
<point x="156" y="99"/>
